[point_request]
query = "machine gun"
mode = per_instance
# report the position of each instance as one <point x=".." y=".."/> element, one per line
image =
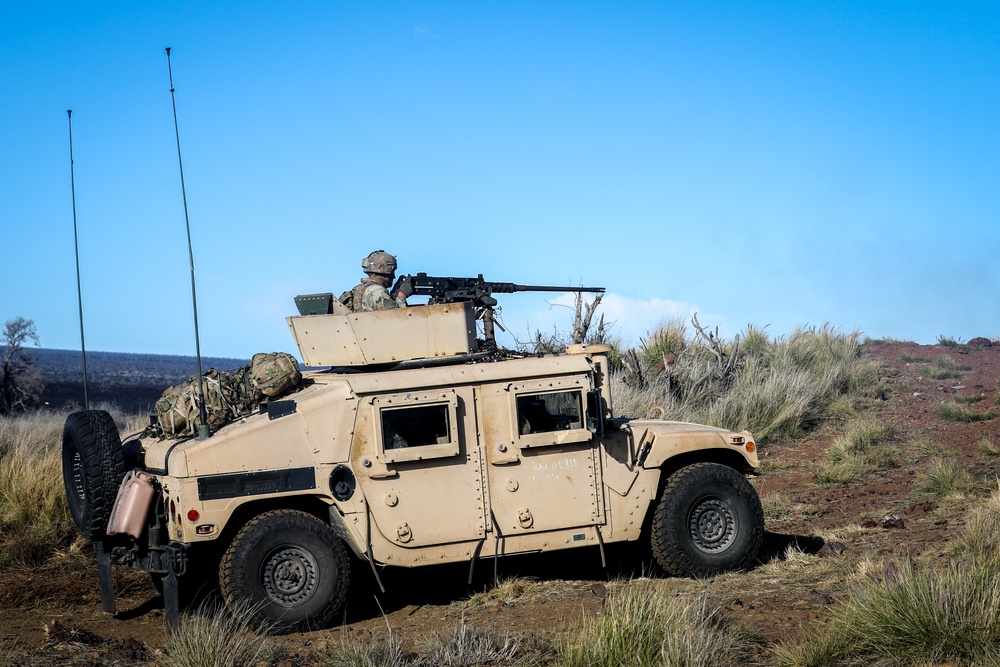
<point x="477" y="290"/>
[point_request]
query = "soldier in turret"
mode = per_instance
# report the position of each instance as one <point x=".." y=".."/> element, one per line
<point x="372" y="293"/>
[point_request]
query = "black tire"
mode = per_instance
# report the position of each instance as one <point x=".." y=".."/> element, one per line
<point x="709" y="521"/>
<point x="287" y="570"/>
<point x="93" y="467"/>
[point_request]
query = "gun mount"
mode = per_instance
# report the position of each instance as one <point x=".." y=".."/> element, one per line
<point x="328" y="334"/>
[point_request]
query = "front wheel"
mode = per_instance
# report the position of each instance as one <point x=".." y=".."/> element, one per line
<point x="286" y="570"/>
<point x="709" y="521"/>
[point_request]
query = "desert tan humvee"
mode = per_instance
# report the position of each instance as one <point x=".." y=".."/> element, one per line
<point x="414" y="447"/>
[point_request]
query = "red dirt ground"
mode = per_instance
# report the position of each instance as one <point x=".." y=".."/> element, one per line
<point x="66" y="601"/>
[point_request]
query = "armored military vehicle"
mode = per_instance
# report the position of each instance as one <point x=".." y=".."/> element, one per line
<point x="415" y="443"/>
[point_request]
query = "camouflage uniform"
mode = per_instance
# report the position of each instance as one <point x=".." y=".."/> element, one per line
<point x="369" y="295"/>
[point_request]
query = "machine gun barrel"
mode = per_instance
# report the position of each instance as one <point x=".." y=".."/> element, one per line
<point x="478" y="290"/>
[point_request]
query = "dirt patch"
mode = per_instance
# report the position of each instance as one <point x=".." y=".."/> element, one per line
<point x="52" y="615"/>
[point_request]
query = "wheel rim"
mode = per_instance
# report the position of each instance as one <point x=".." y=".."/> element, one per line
<point x="713" y="525"/>
<point x="291" y="576"/>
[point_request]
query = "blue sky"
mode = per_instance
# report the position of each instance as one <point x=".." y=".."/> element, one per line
<point x="773" y="163"/>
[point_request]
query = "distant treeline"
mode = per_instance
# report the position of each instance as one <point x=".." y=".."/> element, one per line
<point x="132" y="381"/>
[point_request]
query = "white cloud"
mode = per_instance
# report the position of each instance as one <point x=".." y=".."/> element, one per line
<point x="629" y="318"/>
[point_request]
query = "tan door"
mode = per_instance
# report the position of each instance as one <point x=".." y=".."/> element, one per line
<point x="542" y="464"/>
<point x="425" y="484"/>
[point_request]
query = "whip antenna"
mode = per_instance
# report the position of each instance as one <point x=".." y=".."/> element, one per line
<point x="76" y="244"/>
<point x="203" y="430"/>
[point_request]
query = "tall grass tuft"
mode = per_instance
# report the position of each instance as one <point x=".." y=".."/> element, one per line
<point x="466" y="647"/>
<point x="907" y="615"/>
<point x="980" y="539"/>
<point x="215" y="637"/>
<point x="365" y="650"/>
<point x="910" y="616"/>
<point x="955" y="412"/>
<point x="643" y="625"/>
<point x="35" y="522"/>
<point x="774" y="388"/>
<point x="945" y="477"/>
<point x="34" y="515"/>
<point x="863" y="448"/>
<point x="946" y="368"/>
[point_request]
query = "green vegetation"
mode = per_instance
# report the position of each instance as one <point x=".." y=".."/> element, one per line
<point x="945" y="477"/>
<point x="926" y="447"/>
<point x="776" y="388"/>
<point x="988" y="447"/>
<point x="980" y="539"/>
<point x="910" y="616"/>
<point x="864" y="447"/>
<point x="907" y="614"/>
<point x="947" y="341"/>
<point x="911" y="359"/>
<point x="643" y="625"/>
<point x="955" y="412"/>
<point x="946" y="368"/>
<point x="887" y="340"/>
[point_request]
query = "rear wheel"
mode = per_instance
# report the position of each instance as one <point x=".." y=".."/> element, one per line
<point x="93" y="468"/>
<point x="709" y="521"/>
<point x="287" y="570"/>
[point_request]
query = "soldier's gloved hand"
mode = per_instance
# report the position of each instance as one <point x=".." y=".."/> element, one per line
<point x="404" y="286"/>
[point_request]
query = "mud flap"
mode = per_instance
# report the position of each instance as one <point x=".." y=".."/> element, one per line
<point x="104" y="575"/>
<point x="176" y="565"/>
<point x="171" y="602"/>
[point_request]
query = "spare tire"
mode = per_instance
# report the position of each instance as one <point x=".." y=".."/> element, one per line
<point x="93" y="468"/>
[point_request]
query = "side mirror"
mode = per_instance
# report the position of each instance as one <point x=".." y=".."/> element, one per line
<point x="595" y="412"/>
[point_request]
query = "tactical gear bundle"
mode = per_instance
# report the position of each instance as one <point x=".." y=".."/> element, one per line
<point x="229" y="395"/>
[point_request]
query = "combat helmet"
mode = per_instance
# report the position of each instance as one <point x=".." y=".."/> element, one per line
<point x="379" y="262"/>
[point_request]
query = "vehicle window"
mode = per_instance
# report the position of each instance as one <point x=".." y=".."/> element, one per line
<point x="417" y="426"/>
<point x="548" y="412"/>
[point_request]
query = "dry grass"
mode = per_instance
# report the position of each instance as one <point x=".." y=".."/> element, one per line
<point x="956" y="412"/>
<point x="988" y="447"/>
<point x="935" y="612"/>
<point x="507" y="591"/>
<point x="775" y="388"/>
<point x="980" y="539"/>
<point x="214" y="636"/>
<point x="946" y="368"/>
<point x="945" y="477"/>
<point x="466" y="647"/>
<point x="35" y="524"/>
<point x="643" y="624"/>
<point x="864" y="447"/>
<point x="365" y="649"/>
<point x="904" y="615"/>
<point x="34" y="515"/>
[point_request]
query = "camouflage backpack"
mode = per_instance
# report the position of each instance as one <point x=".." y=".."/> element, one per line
<point x="229" y="395"/>
<point x="273" y="374"/>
